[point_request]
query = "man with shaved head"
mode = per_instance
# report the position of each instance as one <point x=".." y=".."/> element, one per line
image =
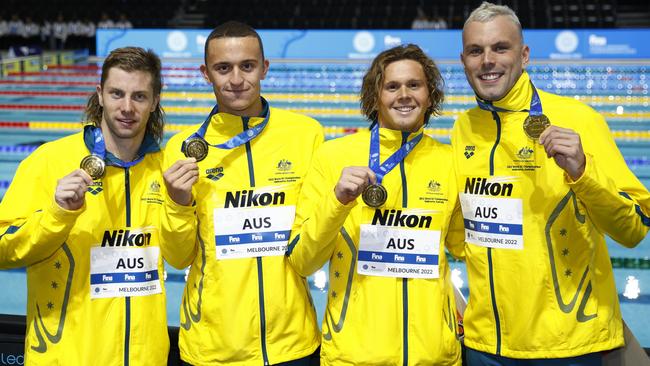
<point x="541" y="181"/>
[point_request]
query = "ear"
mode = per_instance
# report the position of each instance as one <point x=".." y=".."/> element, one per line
<point x="525" y="56"/>
<point x="156" y="102"/>
<point x="265" y="66"/>
<point x="204" y="72"/>
<point x="98" y="90"/>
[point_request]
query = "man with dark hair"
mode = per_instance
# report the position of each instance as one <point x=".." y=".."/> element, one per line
<point x="372" y="205"/>
<point x="541" y="182"/>
<point x="232" y="29"/>
<point x="228" y="214"/>
<point x="89" y="239"/>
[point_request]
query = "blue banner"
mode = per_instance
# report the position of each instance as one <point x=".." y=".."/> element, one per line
<point x="351" y="44"/>
<point x="402" y="258"/>
<point x="252" y="238"/>
<point x="493" y="227"/>
<point x="123" y="277"/>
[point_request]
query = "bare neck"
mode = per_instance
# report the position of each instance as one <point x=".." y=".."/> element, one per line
<point x="125" y="149"/>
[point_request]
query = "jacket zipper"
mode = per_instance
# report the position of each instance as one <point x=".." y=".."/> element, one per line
<point x="127" y="300"/>
<point x="497" y="321"/>
<point x="260" y="273"/>
<point x="405" y="288"/>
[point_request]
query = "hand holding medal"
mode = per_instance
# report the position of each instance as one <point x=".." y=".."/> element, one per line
<point x="354" y="181"/>
<point x="71" y="190"/>
<point x="565" y="147"/>
<point x="179" y="179"/>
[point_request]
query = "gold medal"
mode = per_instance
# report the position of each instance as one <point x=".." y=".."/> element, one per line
<point x="374" y="195"/>
<point x="535" y="125"/>
<point x="94" y="166"/>
<point x="196" y="148"/>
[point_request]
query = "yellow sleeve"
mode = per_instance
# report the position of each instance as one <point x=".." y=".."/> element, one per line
<point x="615" y="199"/>
<point x="178" y="223"/>
<point x="32" y="225"/>
<point x="455" y="240"/>
<point x="319" y="219"/>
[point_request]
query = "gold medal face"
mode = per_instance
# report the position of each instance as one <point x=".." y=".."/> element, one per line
<point x="374" y="195"/>
<point x="196" y="148"/>
<point x="535" y="125"/>
<point x="94" y="166"/>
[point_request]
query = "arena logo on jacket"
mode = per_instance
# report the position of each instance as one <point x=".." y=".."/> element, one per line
<point x="492" y="212"/>
<point x="214" y="174"/>
<point x="396" y="242"/>
<point x="254" y="222"/>
<point x="96" y="187"/>
<point x="125" y="263"/>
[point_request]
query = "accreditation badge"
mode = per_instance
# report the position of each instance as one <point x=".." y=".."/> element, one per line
<point x="125" y="263"/>
<point x="397" y="242"/>
<point x="492" y="212"/>
<point x="254" y="222"/>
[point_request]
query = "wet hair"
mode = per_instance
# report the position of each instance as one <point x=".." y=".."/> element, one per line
<point x="232" y="29"/>
<point x="374" y="78"/>
<point x="131" y="59"/>
<point x="488" y="11"/>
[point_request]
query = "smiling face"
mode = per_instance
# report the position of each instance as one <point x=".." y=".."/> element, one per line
<point x="127" y="99"/>
<point x="235" y="66"/>
<point x="494" y="56"/>
<point x="404" y="96"/>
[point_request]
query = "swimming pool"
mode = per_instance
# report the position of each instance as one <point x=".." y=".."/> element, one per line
<point x="41" y="106"/>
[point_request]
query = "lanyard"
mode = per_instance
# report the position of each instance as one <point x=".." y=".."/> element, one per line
<point x="238" y="140"/>
<point x="394" y="159"/>
<point x="535" y="105"/>
<point x="99" y="149"/>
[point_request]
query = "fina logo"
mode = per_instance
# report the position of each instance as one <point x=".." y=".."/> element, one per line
<point x="364" y="42"/>
<point x="566" y="41"/>
<point x="176" y="41"/>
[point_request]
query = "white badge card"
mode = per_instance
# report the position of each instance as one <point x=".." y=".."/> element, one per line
<point x="399" y="243"/>
<point x="254" y="222"/>
<point x="124" y="264"/>
<point x="492" y="217"/>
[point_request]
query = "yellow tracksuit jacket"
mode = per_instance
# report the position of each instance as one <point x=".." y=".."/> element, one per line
<point x="372" y="320"/>
<point x="246" y="311"/>
<point x="556" y="297"/>
<point x="65" y="326"/>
